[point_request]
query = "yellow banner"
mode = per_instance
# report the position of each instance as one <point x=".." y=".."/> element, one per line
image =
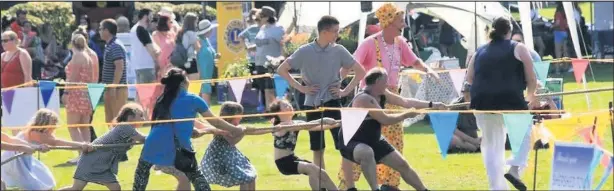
<point x="230" y="24"/>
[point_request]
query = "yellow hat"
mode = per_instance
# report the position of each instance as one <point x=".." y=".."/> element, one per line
<point x="386" y="14"/>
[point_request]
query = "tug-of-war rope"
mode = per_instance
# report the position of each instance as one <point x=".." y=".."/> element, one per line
<point x="322" y="109"/>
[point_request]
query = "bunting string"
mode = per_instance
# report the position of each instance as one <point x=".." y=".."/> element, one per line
<point x="465" y="104"/>
<point x="75" y="85"/>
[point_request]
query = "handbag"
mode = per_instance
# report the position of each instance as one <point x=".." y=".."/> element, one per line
<point x="185" y="159"/>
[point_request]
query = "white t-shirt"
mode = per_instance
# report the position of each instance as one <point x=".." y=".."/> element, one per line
<point x="138" y="49"/>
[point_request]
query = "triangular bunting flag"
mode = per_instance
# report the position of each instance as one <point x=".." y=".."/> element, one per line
<point x="593" y="165"/>
<point x="517" y="124"/>
<point x="281" y="85"/>
<point x="579" y="67"/>
<point x="458" y="77"/>
<point x="194" y="87"/>
<point x="606" y="173"/>
<point x="95" y="91"/>
<point x="443" y="125"/>
<point x="541" y="70"/>
<point x="146" y="94"/>
<point x="590" y="138"/>
<point x="7" y="99"/>
<point x="46" y="88"/>
<point x="237" y="87"/>
<point x="350" y="121"/>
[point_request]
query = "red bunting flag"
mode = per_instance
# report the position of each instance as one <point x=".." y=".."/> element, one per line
<point x="592" y="137"/>
<point x="579" y="67"/>
<point x="147" y="95"/>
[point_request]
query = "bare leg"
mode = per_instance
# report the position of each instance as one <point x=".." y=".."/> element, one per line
<point x="347" y="168"/>
<point x="207" y="98"/>
<point x="183" y="183"/>
<point x="396" y="161"/>
<point x="363" y="154"/>
<point x="318" y="158"/>
<point x="457" y="142"/>
<point x="76" y="185"/>
<point x="314" y="173"/>
<point x="75" y="132"/>
<point x="248" y="186"/>
<point x="269" y="95"/>
<point x="85" y="131"/>
<point x="113" y="187"/>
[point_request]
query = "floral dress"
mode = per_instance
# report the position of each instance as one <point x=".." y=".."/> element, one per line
<point x="78" y="100"/>
<point x="223" y="164"/>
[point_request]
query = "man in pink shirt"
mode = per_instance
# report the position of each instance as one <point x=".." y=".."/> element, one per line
<point x="389" y="50"/>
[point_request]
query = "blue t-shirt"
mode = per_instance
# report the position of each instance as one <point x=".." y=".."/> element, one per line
<point x="159" y="148"/>
<point x="206" y="58"/>
<point x="250" y="35"/>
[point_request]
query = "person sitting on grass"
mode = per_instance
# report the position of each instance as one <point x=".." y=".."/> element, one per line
<point x="285" y="142"/>
<point x="10" y="143"/>
<point x="465" y="138"/>
<point x="101" y="166"/>
<point x="26" y="172"/>
<point x="223" y="164"/>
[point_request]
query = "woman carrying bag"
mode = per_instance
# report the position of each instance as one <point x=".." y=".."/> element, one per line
<point x="168" y="144"/>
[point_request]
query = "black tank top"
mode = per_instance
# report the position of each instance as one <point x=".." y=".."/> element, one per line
<point x="370" y="130"/>
<point x="498" y="81"/>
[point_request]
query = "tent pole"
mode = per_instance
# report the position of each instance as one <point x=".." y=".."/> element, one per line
<point x="475" y="26"/>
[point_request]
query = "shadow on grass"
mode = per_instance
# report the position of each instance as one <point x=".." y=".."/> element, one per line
<point x="602" y="73"/>
<point x="421" y="127"/>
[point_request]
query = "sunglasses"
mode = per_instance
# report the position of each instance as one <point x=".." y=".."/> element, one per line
<point x="7" y="40"/>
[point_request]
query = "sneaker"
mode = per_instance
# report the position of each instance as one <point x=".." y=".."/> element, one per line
<point x="352" y="189"/>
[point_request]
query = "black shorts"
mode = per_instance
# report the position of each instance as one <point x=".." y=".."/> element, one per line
<point x="316" y="138"/>
<point x="288" y="165"/>
<point x="193" y="68"/>
<point x="262" y="83"/>
<point x="380" y="148"/>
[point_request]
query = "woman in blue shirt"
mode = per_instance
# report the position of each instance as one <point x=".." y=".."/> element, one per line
<point x="206" y="57"/>
<point x="159" y="149"/>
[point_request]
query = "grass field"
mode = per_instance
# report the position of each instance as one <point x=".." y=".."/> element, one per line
<point x="458" y="171"/>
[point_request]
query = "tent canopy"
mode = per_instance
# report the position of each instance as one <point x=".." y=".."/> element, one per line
<point x="308" y="13"/>
<point x="463" y="16"/>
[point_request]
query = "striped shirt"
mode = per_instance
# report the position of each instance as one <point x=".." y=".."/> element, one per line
<point x="113" y="51"/>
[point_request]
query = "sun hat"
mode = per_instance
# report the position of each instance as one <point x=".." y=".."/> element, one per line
<point x="269" y="12"/>
<point x="386" y="14"/>
<point x="204" y="26"/>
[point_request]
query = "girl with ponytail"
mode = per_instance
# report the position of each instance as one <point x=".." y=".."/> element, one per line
<point x="102" y="166"/>
<point x="80" y="69"/>
<point x="159" y="149"/>
<point x="285" y="141"/>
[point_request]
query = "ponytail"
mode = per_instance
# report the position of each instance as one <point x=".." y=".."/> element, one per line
<point x="172" y="83"/>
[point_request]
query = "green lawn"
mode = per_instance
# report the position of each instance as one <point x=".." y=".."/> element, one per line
<point x="458" y="171"/>
<point x="549" y="12"/>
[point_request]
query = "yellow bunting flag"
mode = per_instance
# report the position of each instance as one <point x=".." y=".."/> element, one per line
<point x="567" y="129"/>
<point x="194" y="88"/>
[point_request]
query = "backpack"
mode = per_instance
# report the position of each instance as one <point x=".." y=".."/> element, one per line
<point x="179" y="56"/>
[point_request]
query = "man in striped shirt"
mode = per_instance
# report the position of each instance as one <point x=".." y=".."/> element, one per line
<point x="113" y="69"/>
